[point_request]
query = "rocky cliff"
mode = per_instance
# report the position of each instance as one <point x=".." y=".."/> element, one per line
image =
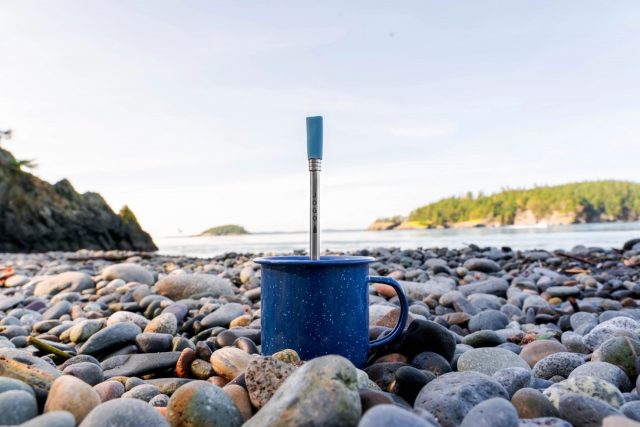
<point x="36" y="216"/>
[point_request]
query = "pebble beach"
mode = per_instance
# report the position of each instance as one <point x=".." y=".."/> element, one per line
<point x="495" y="337"/>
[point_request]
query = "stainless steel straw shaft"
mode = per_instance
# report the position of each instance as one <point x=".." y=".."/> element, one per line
<point x="314" y="154"/>
<point x="314" y="208"/>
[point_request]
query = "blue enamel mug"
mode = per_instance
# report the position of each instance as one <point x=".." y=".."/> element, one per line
<point x="321" y="307"/>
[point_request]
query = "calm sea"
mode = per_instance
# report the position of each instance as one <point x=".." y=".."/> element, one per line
<point x="606" y="235"/>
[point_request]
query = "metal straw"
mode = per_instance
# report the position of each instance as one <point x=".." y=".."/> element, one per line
<point x="314" y="154"/>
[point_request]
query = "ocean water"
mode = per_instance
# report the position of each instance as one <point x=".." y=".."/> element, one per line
<point x="606" y="235"/>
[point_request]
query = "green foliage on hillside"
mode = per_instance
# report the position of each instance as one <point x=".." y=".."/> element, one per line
<point x="224" y="230"/>
<point x="127" y="215"/>
<point x="24" y="164"/>
<point x="591" y="201"/>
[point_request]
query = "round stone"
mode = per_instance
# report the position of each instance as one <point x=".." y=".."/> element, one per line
<point x="631" y="410"/>
<point x="108" y="390"/>
<point x="483" y="339"/>
<point x="495" y="412"/>
<point x="112" y="336"/>
<point x="144" y="392"/>
<point x="129" y="272"/>
<point x="16" y="280"/>
<point x="83" y="330"/>
<point x="12" y="331"/>
<point x="178" y="309"/>
<point x="457" y="318"/>
<point x="563" y="292"/>
<point x="513" y="379"/>
<point x="240" y="398"/>
<point x="488" y="320"/>
<point x="489" y="360"/>
<point x="574" y="343"/>
<point x="223" y="315"/>
<point x="34" y="371"/>
<point x="240" y="321"/>
<point x="70" y="281"/>
<point x="17" y="406"/>
<point x="52" y="419"/>
<point x="130" y="365"/>
<point x="587" y="386"/>
<point x="327" y="382"/>
<point x="229" y="362"/>
<point x="430" y="361"/>
<point x="153" y="342"/>
<point x="391" y="416"/>
<point x="201" y="369"/>
<point x="160" y="400"/>
<point x="246" y="274"/>
<point x="183" y="365"/>
<point x="73" y="395"/>
<point x="263" y="376"/>
<point x="610" y="328"/>
<point x="169" y="385"/>
<point x="182" y="286"/>
<point x="200" y="404"/>
<point x="530" y="403"/>
<point x="370" y="398"/>
<point x="451" y="396"/>
<point x="619" y="351"/>
<point x="583" y="318"/>
<point x="230" y="336"/>
<point x="482" y="264"/>
<point x="534" y="301"/>
<point x="493" y="286"/>
<point x="485" y="301"/>
<point x="605" y="371"/>
<point x="128" y="316"/>
<point x="88" y="372"/>
<point x="133" y="382"/>
<point x="584" y="411"/>
<point x="511" y="346"/>
<point x="618" y="421"/>
<point x="179" y="343"/>
<point x="557" y="364"/>
<point x="383" y="374"/>
<point x="287" y="355"/>
<point x="57" y="310"/>
<point x="424" y="335"/>
<point x="79" y="359"/>
<point x="165" y="323"/>
<point x="7" y="384"/>
<point x="408" y="381"/>
<point x="124" y="413"/>
<point x="535" y="351"/>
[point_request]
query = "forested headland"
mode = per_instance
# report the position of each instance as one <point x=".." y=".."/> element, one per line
<point x="581" y="202"/>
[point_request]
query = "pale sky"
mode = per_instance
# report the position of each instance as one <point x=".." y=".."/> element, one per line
<point x="193" y="112"/>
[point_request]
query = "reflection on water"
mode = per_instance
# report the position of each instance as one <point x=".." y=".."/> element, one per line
<point x="605" y="235"/>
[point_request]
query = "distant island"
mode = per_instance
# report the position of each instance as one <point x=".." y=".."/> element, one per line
<point x="224" y="230"/>
<point x="573" y="203"/>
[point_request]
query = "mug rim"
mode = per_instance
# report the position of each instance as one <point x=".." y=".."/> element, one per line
<point x="305" y="260"/>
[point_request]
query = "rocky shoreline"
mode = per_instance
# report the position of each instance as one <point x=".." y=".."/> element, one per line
<point x="496" y="338"/>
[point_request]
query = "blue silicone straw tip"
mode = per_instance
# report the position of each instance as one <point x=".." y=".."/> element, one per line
<point x="314" y="137"/>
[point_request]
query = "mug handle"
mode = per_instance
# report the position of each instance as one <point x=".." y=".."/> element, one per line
<point x="404" y="310"/>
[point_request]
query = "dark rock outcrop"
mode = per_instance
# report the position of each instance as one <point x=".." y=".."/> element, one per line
<point x="36" y="216"/>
